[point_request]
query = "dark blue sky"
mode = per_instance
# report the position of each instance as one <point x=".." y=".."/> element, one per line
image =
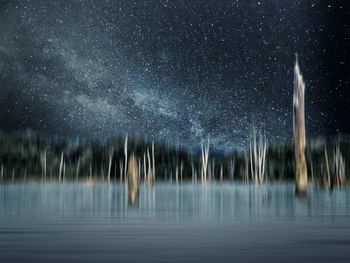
<point x="173" y="70"/>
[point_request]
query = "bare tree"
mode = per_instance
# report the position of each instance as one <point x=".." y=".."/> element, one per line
<point x="299" y="130"/>
<point x="153" y="164"/>
<point x="78" y="167"/>
<point x="339" y="166"/>
<point x="61" y="166"/>
<point x="2" y="172"/>
<point x="232" y="168"/>
<point x="149" y="174"/>
<point x="221" y="173"/>
<point x="205" y="157"/>
<point x="144" y="168"/>
<point x="110" y="164"/>
<point x="327" y="166"/>
<point x="257" y="154"/>
<point x="126" y="155"/>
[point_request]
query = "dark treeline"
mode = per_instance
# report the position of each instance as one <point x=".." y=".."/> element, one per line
<point x="28" y="155"/>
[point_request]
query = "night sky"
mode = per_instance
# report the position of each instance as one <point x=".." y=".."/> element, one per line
<point x="180" y="71"/>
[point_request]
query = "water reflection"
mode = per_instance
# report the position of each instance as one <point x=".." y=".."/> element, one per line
<point x="185" y="201"/>
<point x="91" y="222"/>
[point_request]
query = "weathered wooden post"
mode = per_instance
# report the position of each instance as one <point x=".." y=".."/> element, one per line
<point x="299" y="131"/>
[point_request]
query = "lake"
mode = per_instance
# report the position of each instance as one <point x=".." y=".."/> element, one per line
<point x="229" y="222"/>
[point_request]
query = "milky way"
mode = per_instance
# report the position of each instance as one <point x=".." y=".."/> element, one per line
<point x="180" y="71"/>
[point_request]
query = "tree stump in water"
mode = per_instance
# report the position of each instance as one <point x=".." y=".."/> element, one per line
<point x="133" y="180"/>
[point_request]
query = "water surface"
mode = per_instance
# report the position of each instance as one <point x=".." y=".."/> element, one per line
<point x="76" y="222"/>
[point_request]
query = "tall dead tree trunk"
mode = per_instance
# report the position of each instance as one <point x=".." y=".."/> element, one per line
<point x="246" y="170"/>
<point x="232" y="168"/>
<point x="221" y="173"/>
<point x="61" y="166"/>
<point x="110" y="164"/>
<point x="205" y="157"/>
<point x="149" y="167"/>
<point x="327" y="167"/>
<point x="78" y="167"/>
<point x="2" y="172"/>
<point x="126" y="156"/>
<point x="262" y="159"/>
<point x="257" y="155"/>
<point x="339" y="166"/>
<point x="153" y="164"/>
<point x="144" y="168"/>
<point x="299" y="131"/>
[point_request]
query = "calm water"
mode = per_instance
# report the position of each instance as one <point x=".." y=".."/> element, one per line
<point x="169" y="223"/>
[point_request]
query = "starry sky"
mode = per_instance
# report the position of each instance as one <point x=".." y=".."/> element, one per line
<point x="180" y="71"/>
